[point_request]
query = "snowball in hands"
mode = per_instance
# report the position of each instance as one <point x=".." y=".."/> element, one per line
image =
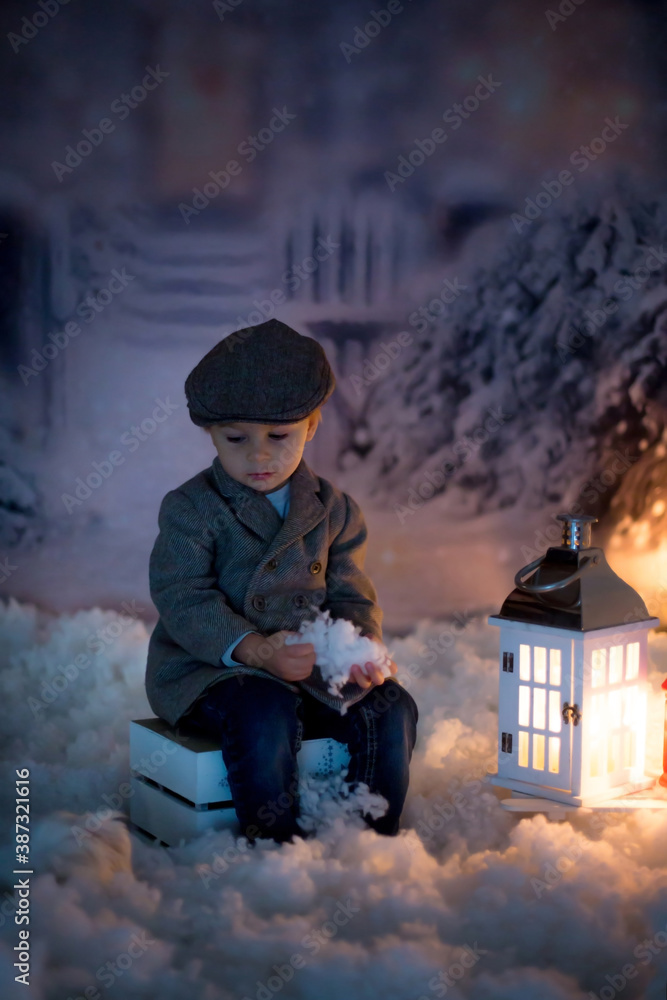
<point x="338" y="644"/>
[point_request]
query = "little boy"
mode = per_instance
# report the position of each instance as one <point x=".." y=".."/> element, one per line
<point x="246" y="548"/>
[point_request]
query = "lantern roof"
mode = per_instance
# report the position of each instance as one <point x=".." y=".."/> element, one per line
<point x="573" y="587"/>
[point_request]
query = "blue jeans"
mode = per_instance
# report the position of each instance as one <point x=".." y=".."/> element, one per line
<point x="260" y="725"/>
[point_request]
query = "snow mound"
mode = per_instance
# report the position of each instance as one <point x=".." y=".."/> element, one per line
<point x="467" y="902"/>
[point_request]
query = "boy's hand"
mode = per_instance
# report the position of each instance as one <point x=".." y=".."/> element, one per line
<point x="375" y="675"/>
<point x="290" y="663"/>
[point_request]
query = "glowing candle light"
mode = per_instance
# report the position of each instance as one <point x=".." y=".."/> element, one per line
<point x="579" y="634"/>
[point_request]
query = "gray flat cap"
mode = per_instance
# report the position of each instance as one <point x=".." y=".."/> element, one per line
<point x="267" y="374"/>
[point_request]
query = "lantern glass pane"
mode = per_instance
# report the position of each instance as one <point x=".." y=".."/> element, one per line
<point x="614" y="753"/>
<point x="632" y="661"/>
<point x="554" y="667"/>
<point x="615" y="709"/>
<point x="595" y="759"/>
<point x="524" y="662"/>
<point x="628" y="759"/>
<point x="629" y="707"/>
<point x="615" y="664"/>
<point x="538" y="752"/>
<point x="523" y="748"/>
<point x="597" y="710"/>
<point x="524" y="705"/>
<point x="539" y="708"/>
<point x="599" y="668"/>
<point x="554" y="754"/>
<point x="555" y="718"/>
<point x="540" y="664"/>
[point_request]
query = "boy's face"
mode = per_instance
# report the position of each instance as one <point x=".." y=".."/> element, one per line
<point x="275" y="450"/>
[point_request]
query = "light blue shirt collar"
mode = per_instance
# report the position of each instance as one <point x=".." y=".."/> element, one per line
<point x="280" y="499"/>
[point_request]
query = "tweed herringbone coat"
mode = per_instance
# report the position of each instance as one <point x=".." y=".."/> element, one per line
<point x="225" y="562"/>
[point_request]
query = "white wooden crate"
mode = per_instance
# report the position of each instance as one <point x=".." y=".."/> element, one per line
<point x="179" y="779"/>
<point x="173" y="820"/>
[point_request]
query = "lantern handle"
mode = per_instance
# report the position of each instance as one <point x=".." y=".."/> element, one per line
<point x="541" y="588"/>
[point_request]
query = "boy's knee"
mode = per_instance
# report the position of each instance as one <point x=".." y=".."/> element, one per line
<point x="392" y="698"/>
<point x="408" y="703"/>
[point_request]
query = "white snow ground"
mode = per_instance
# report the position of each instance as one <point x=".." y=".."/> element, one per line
<point x="471" y="903"/>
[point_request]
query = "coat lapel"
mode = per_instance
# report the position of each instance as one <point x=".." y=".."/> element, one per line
<point x="257" y="513"/>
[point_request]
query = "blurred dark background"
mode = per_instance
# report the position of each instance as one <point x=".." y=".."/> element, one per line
<point x="123" y="260"/>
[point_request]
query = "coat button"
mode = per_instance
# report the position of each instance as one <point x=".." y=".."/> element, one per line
<point x="271" y="564"/>
<point x="301" y="601"/>
<point x="259" y="602"/>
<point x="315" y="567"/>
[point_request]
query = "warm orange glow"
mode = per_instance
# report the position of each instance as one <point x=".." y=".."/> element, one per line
<point x="618" y="732"/>
<point x="639" y="730"/>
<point x="615" y="664"/>
<point x="614" y="714"/>
<point x="637" y="552"/>
<point x="629" y="706"/>
<point x="554" y="754"/>
<point x="632" y="661"/>
<point x="595" y="759"/>
<point x="540" y="664"/>
<point x="599" y="671"/>
<point x="597" y="708"/>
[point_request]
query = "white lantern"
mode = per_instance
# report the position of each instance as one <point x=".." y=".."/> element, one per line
<point x="572" y="691"/>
